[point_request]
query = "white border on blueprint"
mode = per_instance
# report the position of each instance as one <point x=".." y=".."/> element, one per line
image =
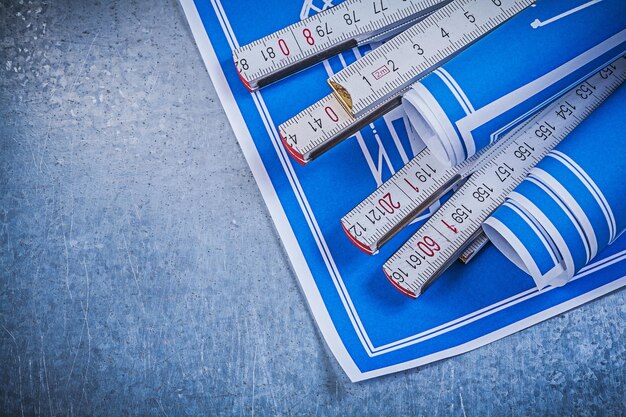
<point x="298" y="261"/>
<point x="286" y="163"/>
<point x="319" y="238"/>
<point x="503" y="332"/>
<point x="264" y="183"/>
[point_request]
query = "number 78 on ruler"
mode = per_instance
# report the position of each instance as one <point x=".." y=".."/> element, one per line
<point x="325" y="34"/>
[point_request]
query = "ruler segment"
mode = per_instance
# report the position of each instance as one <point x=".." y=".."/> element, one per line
<point x="440" y="241"/>
<point x="398" y="201"/>
<point x="325" y="124"/>
<point x="474" y="247"/>
<point x="323" y="35"/>
<point x="407" y="194"/>
<point x="418" y="50"/>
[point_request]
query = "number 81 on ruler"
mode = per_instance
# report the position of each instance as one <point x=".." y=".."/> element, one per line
<point x="330" y="32"/>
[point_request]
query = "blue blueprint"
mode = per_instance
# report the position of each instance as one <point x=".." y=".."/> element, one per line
<point x="371" y="328"/>
<point x="528" y="61"/>
<point x="575" y="196"/>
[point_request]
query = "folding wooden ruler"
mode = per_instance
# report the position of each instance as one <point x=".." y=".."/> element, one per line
<point x="330" y="32"/>
<point x="373" y="85"/>
<point x="429" y="35"/>
<point x="489" y="178"/>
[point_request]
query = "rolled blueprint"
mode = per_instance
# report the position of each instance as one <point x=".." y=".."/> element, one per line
<point x="572" y="204"/>
<point x="469" y="102"/>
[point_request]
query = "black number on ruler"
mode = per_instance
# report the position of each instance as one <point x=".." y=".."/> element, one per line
<point x="482" y="193"/>
<point x="608" y="71"/>
<point x="399" y="275"/>
<point x="524" y="151"/>
<point x="424" y="173"/>
<point x="382" y="8"/>
<point x="566" y="109"/>
<point x="323" y="31"/>
<point x="243" y="64"/>
<point x="544" y="131"/>
<point x="357" y="229"/>
<point x="585" y="90"/>
<point x="318" y="122"/>
<point x="504" y="171"/>
<point x="414" y="261"/>
<point x="351" y="18"/>
<point x="461" y="214"/>
<point x="375" y="215"/>
<point x="270" y="53"/>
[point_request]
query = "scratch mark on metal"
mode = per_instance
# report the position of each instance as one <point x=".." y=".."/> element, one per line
<point x="158" y="401"/>
<point x="86" y="315"/>
<point x="45" y="371"/>
<point x="67" y="268"/>
<point x="132" y="269"/>
<point x="19" y="368"/>
<point x="462" y="405"/>
<point x="253" y="376"/>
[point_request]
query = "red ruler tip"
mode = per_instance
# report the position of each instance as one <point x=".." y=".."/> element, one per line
<point x="244" y="81"/>
<point x="292" y="152"/>
<point x="404" y="291"/>
<point x="366" y="249"/>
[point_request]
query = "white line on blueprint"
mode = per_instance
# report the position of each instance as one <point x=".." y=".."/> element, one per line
<point x="299" y="194"/>
<point x="330" y="263"/>
<point x="538" y="23"/>
<point x="308" y="7"/>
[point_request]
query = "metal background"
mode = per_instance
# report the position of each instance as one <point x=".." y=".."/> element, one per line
<point x="141" y="273"/>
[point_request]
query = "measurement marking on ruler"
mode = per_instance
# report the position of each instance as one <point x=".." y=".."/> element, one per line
<point x="424" y="257"/>
<point x="326" y="123"/>
<point x="472" y="250"/>
<point x="406" y="195"/>
<point x="316" y="38"/>
<point x="418" y="50"/>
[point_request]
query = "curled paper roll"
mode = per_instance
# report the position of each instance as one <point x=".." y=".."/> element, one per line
<point x="530" y="60"/>
<point x="572" y="204"/>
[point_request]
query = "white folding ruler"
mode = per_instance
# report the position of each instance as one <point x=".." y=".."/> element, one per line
<point x="393" y="66"/>
<point x="473" y="248"/>
<point x="334" y="30"/>
<point x="325" y="124"/>
<point x="407" y="194"/>
<point x="329" y="121"/>
<point x="430" y="251"/>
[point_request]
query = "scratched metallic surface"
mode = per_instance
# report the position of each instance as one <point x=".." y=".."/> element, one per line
<point x="142" y="275"/>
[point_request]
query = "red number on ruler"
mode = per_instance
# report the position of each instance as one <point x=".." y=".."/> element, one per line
<point x="454" y="229"/>
<point x="307" y="35"/>
<point x="412" y="186"/>
<point x="283" y="47"/>
<point x="331" y="114"/>
<point x="387" y="203"/>
<point x="428" y="246"/>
